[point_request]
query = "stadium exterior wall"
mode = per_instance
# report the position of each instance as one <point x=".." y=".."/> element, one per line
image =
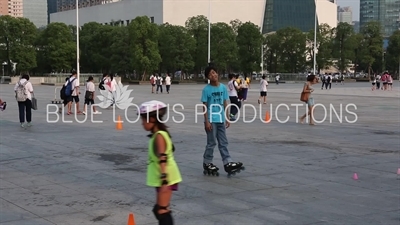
<point x="166" y="11"/>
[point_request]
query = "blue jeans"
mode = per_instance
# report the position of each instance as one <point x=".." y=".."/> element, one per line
<point x="217" y="134"/>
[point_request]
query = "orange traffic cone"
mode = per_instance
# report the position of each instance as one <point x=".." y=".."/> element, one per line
<point x="119" y="124"/>
<point x="131" y="220"/>
<point x="267" y="117"/>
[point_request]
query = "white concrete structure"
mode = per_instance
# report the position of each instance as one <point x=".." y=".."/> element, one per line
<point x="326" y="12"/>
<point x="166" y="11"/>
<point x="178" y="11"/>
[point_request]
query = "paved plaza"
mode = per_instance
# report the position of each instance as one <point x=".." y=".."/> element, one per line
<point x="71" y="173"/>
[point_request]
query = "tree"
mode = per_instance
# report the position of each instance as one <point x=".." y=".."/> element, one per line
<point x="224" y="51"/>
<point x="249" y="41"/>
<point x="197" y="27"/>
<point x="293" y="49"/>
<point x="272" y="50"/>
<point x="235" y="24"/>
<point x="144" y="45"/>
<point x="121" y="56"/>
<point x="95" y="42"/>
<point x="343" y="45"/>
<point x="393" y="53"/>
<point x="372" y="46"/>
<point x="176" y="46"/>
<point x="18" y="36"/>
<point x="56" y="49"/>
<point x="323" y="46"/>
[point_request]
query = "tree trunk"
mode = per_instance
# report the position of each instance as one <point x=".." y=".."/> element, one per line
<point x="144" y="75"/>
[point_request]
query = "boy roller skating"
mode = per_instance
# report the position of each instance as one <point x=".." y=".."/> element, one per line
<point x="215" y="99"/>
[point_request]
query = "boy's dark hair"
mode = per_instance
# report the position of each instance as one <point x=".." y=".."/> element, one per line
<point x="90" y="78"/>
<point x="25" y="76"/>
<point x="67" y="79"/>
<point x="311" y="77"/>
<point x="74" y="73"/>
<point x="208" y="70"/>
<point x="105" y="74"/>
<point x="231" y="75"/>
<point x="263" y="77"/>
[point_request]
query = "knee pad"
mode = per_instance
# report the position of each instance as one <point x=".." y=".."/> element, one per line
<point x="165" y="218"/>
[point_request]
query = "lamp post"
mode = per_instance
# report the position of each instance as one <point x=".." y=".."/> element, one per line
<point x="2" y="66"/>
<point x="315" y="40"/>
<point x="209" y="31"/>
<point x="77" y="41"/>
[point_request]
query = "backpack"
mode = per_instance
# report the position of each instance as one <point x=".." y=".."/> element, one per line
<point x="62" y="93"/>
<point x="329" y="79"/>
<point x="20" y="94"/>
<point x="158" y="81"/>
<point x="68" y="88"/>
<point x="101" y="85"/>
<point x="152" y="80"/>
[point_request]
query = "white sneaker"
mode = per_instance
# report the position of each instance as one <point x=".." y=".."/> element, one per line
<point x="29" y="124"/>
<point x="84" y="113"/>
<point x="97" y="112"/>
<point x="22" y="125"/>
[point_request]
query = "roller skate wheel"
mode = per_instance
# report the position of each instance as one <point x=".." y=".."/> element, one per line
<point x="204" y="172"/>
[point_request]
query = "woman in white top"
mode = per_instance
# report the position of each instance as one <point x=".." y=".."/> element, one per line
<point x="89" y="95"/>
<point x="263" y="90"/>
<point x="233" y="88"/>
<point x="167" y="82"/>
<point x="390" y="82"/>
<point x="111" y="86"/>
<point x="25" y="107"/>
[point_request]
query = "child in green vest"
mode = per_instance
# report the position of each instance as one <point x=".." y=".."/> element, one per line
<point x="162" y="170"/>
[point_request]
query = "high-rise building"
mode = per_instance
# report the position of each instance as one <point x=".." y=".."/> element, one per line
<point x="387" y="12"/>
<point x="36" y="11"/>
<point x="11" y="7"/>
<point x="51" y="8"/>
<point x="346" y="15"/>
<point x="299" y="14"/>
<point x="65" y="5"/>
<point x="3" y="7"/>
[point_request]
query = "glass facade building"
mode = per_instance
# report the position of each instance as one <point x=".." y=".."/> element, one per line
<point x="387" y="12"/>
<point x="288" y="13"/>
<point x="51" y="8"/>
<point x="36" y="11"/>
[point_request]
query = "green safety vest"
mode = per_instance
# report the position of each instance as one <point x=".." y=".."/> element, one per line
<point x="153" y="165"/>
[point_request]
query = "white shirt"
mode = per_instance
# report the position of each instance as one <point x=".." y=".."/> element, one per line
<point x="263" y="85"/>
<point x="110" y="85"/>
<point x="28" y="88"/>
<point x="232" y="85"/>
<point x="154" y="81"/>
<point x="90" y="86"/>
<point x="168" y="80"/>
<point x="277" y="77"/>
<point x="73" y="85"/>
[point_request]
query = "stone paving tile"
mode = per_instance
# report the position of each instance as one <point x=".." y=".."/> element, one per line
<point x="295" y="174"/>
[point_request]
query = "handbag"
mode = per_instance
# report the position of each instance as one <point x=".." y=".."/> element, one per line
<point x="34" y="102"/>
<point x="304" y="96"/>
<point x="89" y="95"/>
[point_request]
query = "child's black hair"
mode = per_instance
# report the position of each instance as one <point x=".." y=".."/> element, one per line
<point x="160" y="125"/>
<point x="208" y="70"/>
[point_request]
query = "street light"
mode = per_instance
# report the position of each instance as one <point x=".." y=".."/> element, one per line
<point x="3" y="65"/>
<point x="77" y="41"/>
<point x="315" y="40"/>
<point x="209" y="31"/>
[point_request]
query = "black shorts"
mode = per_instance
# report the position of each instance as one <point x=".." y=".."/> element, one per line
<point x="89" y="101"/>
<point x="390" y="83"/>
<point x="263" y="93"/>
<point x="153" y="85"/>
<point x="373" y="84"/>
<point x="73" y="99"/>
<point x="384" y="83"/>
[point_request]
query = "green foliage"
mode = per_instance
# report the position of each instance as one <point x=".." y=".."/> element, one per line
<point x="144" y="45"/>
<point x="176" y="46"/>
<point x="249" y="42"/>
<point x="56" y="49"/>
<point x="18" y="36"/>
<point x="393" y="53"/>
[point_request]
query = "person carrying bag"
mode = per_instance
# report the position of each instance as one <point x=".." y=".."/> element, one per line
<point x="24" y="96"/>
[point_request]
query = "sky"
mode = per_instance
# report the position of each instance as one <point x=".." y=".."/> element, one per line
<point x="355" y="7"/>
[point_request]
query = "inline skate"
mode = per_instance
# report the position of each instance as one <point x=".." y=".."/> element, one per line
<point x="233" y="167"/>
<point x="210" y="169"/>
